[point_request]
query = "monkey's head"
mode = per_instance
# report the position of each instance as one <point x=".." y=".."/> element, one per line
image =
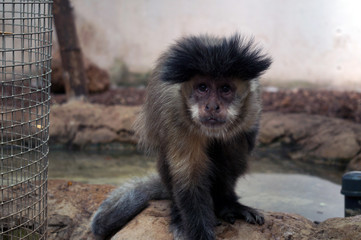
<point x="218" y="107"/>
<point x="218" y="78"/>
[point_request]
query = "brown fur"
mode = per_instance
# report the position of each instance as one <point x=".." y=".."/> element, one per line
<point x="200" y="118"/>
<point x="165" y="125"/>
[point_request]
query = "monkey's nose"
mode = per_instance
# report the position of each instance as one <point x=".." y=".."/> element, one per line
<point x="212" y="107"/>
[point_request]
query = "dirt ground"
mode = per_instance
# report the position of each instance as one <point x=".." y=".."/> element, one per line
<point x="339" y="104"/>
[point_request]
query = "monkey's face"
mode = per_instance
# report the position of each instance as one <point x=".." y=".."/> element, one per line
<point x="215" y="104"/>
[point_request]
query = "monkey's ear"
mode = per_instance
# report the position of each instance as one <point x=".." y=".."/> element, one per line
<point x="218" y="58"/>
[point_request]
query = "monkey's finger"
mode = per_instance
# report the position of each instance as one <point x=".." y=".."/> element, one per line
<point x="260" y="219"/>
<point x="218" y="222"/>
<point x="230" y="218"/>
<point x="248" y="217"/>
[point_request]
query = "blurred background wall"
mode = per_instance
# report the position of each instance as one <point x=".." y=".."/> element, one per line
<point x="312" y="42"/>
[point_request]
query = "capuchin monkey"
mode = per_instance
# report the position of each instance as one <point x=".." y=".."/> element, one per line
<point x="201" y="118"/>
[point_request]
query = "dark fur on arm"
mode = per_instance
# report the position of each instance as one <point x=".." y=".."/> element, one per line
<point x="195" y="207"/>
<point x="230" y="161"/>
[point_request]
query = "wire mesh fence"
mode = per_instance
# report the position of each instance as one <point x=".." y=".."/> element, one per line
<point x="25" y="67"/>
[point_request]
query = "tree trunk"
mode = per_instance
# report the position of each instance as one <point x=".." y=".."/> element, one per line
<point x="71" y="56"/>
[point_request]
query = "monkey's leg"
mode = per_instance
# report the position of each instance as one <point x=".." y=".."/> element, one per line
<point x="176" y="226"/>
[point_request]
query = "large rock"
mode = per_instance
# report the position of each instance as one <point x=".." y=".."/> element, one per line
<point x="355" y="163"/>
<point x="311" y="137"/>
<point x="153" y="223"/>
<point x="301" y="136"/>
<point x="71" y="206"/>
<point x="79" y="123"/>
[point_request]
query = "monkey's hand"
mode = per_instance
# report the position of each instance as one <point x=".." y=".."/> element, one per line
<point x="231" y="212"/>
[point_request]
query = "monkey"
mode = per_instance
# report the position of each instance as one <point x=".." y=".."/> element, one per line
<point x="201" y="119"/>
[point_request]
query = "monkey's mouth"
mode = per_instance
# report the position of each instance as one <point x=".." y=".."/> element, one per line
<point x="212" y="122"/>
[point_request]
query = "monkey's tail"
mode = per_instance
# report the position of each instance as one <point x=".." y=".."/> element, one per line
<point x="125" y="203"/>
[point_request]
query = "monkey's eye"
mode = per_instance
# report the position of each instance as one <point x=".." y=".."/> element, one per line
<point x="202" y="87"/>
<point x="226" y="88"/>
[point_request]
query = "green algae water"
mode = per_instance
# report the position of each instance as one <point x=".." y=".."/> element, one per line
<point x="116" y="166"/>
<point x="273" y="183"/>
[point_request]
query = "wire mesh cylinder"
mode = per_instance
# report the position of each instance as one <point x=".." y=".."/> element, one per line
<point x="25" y="67"/>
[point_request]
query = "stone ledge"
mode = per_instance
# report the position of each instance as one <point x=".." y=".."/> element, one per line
<point x="301" y="136"/>
<point x="71" y="206"/>
<point x="312" y="137"/>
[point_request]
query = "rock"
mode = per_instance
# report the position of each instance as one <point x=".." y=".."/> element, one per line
<point x="355" y="164"/>
<point x="71" y="205"/>
<point x="98" y="79"/>
<point x="301" y="136"/>
<point x="94" y="136"/>
<point x="312" y="137"/>
<point x="61" y="226"/>
<point x="339" y="228"/>
<point x="153" y="223"/>
<point x="156" y="217"/>
<point x="79" y="123"/>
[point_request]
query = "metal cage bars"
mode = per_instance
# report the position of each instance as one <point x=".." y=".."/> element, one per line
<point x="25" y="67"/>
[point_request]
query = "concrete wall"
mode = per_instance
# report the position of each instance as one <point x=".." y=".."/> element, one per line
<point x="317" y="41"/>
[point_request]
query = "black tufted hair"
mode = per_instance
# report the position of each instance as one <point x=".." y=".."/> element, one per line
<point x="215" y="57"/>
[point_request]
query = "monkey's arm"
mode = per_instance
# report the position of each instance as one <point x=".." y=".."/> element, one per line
<point x="195" y="207"/>
<point x="190" y="169"/>
<point x="230" y="161"/>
